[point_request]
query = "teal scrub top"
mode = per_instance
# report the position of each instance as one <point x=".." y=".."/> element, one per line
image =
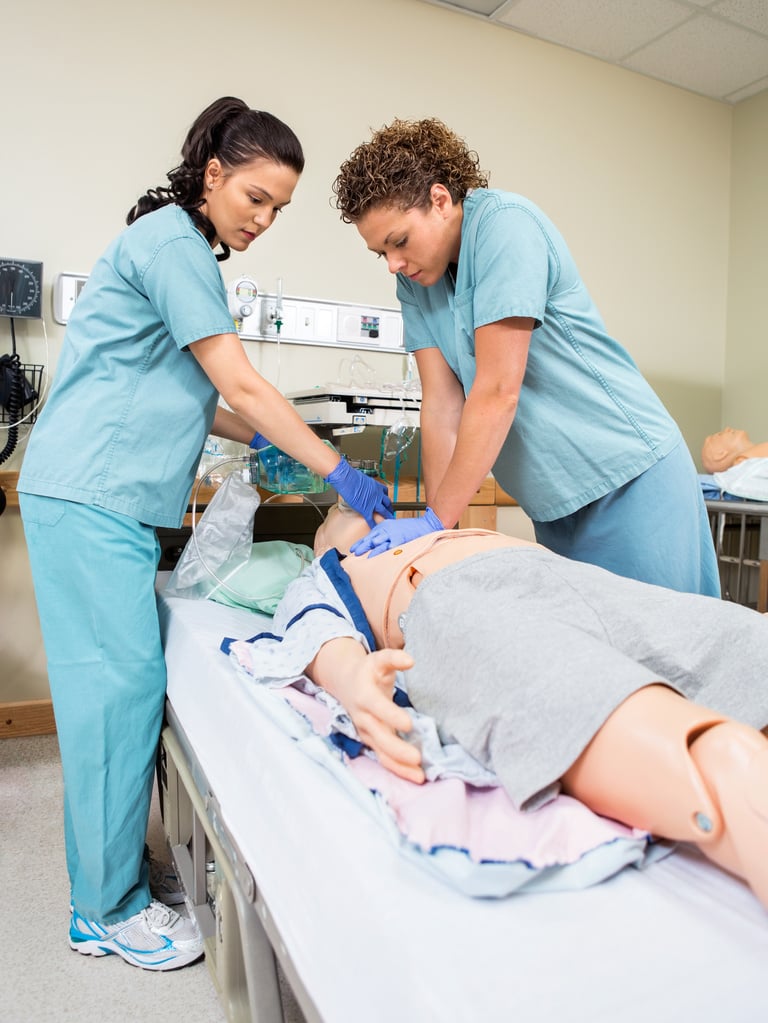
<point x="126" y="419"/>
<point x="587" y="421"/>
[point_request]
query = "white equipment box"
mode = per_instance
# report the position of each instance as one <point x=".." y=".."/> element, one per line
<point x="337" y="405"/>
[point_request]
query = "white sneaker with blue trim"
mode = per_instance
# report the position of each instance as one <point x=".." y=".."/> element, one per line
<point x="157" y="938"/>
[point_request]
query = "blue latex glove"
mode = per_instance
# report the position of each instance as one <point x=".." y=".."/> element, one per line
<point x="363" y="493"/>
<point x="396" y="532"/>
<point x="259" y="441"/>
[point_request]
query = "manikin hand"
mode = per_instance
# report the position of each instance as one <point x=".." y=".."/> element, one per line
<point x="395" y="532"/>
<point x="378" y="719"/>
<point x="363" y="683"/>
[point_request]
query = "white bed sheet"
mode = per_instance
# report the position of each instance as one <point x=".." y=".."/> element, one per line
<point x="374" y="937"/>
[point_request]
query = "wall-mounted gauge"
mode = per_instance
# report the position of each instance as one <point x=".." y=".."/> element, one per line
<point x="241" y="297"/>
<point x="21" y="288"/>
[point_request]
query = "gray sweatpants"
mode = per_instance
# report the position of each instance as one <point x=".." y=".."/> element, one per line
<point x="521" y="655"/>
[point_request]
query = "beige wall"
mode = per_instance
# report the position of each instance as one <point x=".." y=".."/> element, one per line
<point x="22" y="660"/>
<point x="636" y="173"/>
<point x="746" y="359"/>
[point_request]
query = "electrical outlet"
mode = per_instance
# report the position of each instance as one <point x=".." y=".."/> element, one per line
<point x="326" y="324"/>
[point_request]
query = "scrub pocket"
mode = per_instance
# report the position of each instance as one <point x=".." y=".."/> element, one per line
<point x="41" y="511"/>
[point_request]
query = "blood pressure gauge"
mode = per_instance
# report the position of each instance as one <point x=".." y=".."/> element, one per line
<point x="21" y="288"/>
<point x="241" y="297"/>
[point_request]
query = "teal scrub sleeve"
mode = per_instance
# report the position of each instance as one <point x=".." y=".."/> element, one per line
<point x="186" y="289"/>
<point x="511" y="265"/>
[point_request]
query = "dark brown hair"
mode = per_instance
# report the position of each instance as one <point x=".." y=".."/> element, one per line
<point x="230" y="130"/>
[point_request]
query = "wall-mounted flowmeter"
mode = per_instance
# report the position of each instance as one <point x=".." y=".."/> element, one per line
<point x="241" y="297"/>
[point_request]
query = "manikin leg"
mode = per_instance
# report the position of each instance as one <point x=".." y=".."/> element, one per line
<point x="680" y="771"/>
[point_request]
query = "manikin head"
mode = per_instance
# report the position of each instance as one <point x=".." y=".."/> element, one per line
<point x="721" y="450"/>
<point x="341" y="528"/>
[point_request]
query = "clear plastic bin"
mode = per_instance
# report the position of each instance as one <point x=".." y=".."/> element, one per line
<point x="273" y="470"/>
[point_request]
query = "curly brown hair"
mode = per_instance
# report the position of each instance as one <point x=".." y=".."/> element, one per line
<point x="399" y="166"/>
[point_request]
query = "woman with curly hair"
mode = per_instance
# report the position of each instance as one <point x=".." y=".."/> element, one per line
<point x="149" y="348"/>
<point x="519" y="374"/>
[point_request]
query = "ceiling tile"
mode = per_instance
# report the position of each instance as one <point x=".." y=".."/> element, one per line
<point x="478" y="6"/>
<point x="609" y="29"/>
<point x="752" y="14"/>
<point x="705" y="55"/>
<point x="718" y="48"/>
<point x="750" y="90"/>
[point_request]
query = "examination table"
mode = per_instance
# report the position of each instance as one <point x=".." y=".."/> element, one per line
<point x="280" y="864"/>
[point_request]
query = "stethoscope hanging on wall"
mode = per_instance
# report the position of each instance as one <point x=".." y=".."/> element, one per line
<point x="21" y="286"/>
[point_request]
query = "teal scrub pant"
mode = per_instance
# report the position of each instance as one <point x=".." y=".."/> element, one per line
<point x="94" y="573"/>
<point x="655" y="528"/>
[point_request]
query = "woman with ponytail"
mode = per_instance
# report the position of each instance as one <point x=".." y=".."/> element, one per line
<point x="149" y="349"/>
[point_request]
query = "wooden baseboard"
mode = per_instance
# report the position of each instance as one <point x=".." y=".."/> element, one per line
<point x="27" y="717"/>
<point x="762" y="588"/>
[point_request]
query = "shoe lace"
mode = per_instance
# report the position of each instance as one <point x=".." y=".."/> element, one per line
<point x="158" y="915"/>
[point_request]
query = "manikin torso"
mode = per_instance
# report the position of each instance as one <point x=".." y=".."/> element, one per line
<point x="386" y="583"/>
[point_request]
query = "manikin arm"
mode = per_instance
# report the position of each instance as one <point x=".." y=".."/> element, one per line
<point x="363" y="684"/>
